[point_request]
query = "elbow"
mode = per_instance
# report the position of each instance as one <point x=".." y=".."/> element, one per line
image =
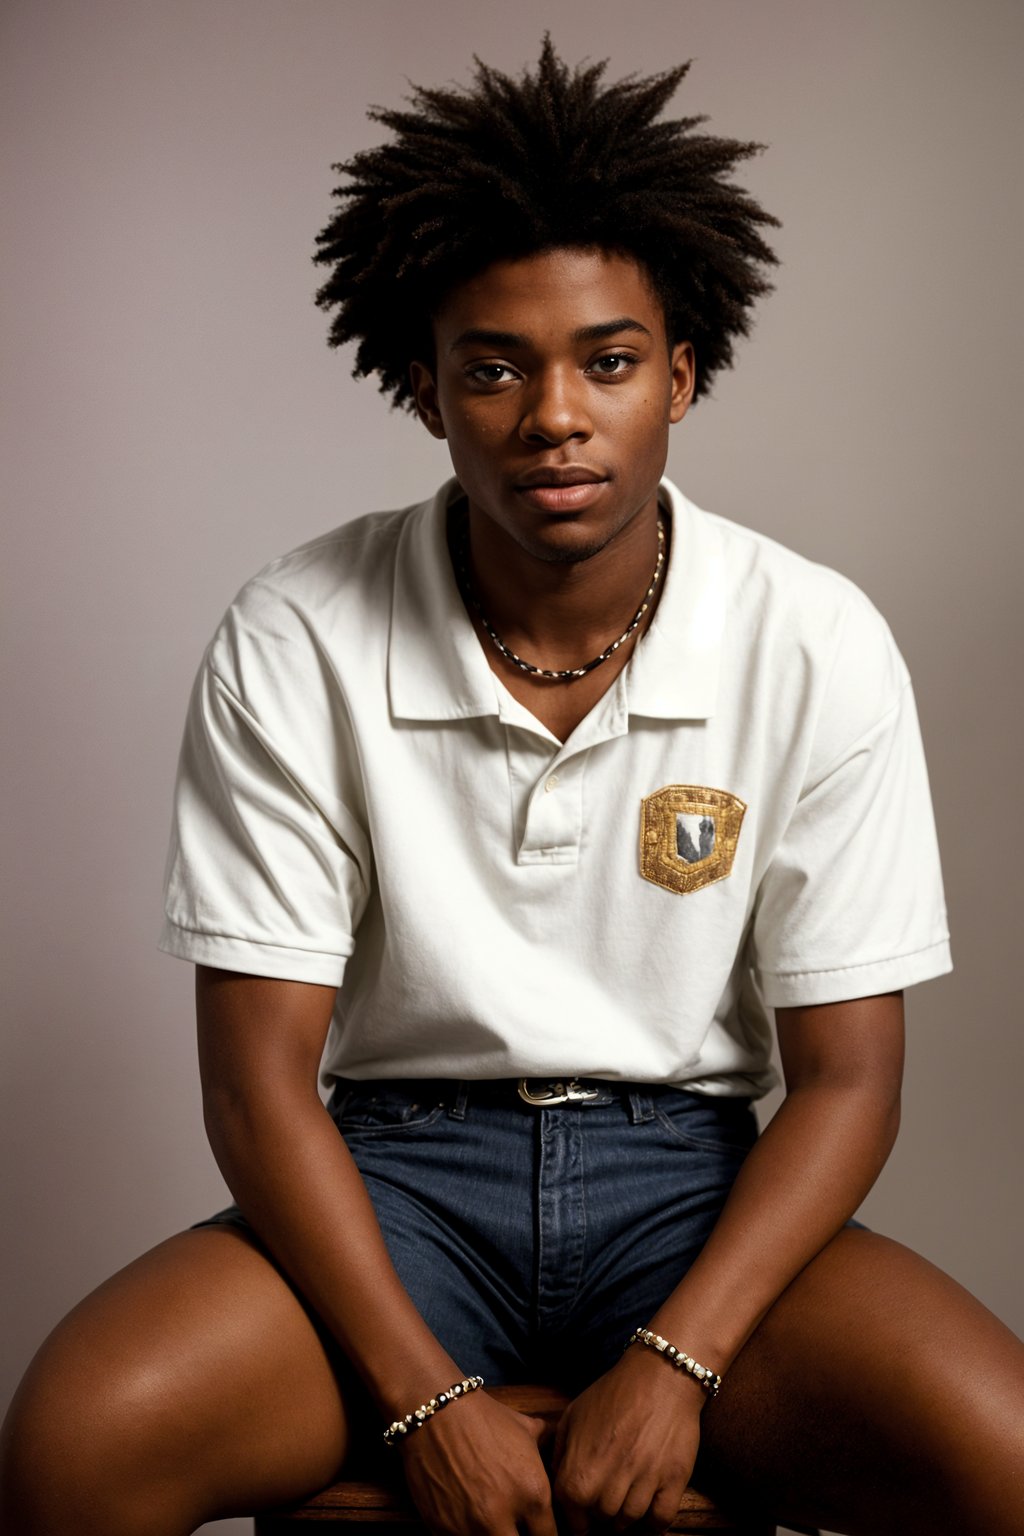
<point x="231" y="1118"/>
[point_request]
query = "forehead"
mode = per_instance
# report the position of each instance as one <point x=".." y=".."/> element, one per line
<point x="551" y="295"/>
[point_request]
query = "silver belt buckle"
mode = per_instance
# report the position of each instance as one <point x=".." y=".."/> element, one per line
<point x="571" y="1092"/>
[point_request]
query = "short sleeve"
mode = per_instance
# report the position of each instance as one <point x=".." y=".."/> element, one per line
<point x="267" y="870"/>
<point x="852" y="904"/>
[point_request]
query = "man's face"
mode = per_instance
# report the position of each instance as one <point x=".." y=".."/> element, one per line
<point x="555" y="387"/>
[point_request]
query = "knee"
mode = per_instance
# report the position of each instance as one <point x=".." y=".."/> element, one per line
<point x="50" y="1465"/>
<point x="983" y="1471"/>
<point x="78" y="1451"/>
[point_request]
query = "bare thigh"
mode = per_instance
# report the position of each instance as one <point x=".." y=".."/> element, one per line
<point x="876" y="1396"/>
<point x="192" y="1384"/>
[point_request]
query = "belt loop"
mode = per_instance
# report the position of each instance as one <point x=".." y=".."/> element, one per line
<point x="457" y="1108"/>
<point x="641" y="1107"/>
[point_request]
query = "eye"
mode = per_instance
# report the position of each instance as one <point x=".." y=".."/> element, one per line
<point x="613" y="365"/>
<point x="490" y="373"/>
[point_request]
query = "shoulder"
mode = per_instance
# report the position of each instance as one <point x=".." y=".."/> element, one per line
<point x="812" y="606"/>
<point x="797" y="613"/>
<point x="801" y="645"/>
<point x="330" y="596"/>
<point x="346" y="565"/>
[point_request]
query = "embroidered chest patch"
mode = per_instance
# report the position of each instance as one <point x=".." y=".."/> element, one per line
<point x="688" y="836"/>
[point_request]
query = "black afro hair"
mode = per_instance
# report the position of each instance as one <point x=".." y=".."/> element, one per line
<point x="512" y="166"/>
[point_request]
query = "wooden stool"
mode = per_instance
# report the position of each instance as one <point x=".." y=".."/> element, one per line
<point x="376" y="1496"/>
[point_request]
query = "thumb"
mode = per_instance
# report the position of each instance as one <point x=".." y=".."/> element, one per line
<point x="541" y="1430"/>
<point x="558" y="1433"/>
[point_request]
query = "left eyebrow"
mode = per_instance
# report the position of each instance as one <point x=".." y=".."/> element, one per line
<point x="609" y="328"/>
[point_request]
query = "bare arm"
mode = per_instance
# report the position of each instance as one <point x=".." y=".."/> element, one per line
<point x="801" y="1182"/>
<point x="260" y="1043"/>
<point x="259" y="1053"/>
<point x="805" y="1177"/>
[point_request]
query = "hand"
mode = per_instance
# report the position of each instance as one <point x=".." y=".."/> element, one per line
<point x="625" y="1447"/>
<point x="476" y="1470"/>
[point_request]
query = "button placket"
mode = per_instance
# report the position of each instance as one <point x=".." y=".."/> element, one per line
<point x="553" y="823"/>
<point x="554" y="815"/>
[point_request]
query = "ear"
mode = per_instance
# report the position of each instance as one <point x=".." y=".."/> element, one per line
<point x="683" y="367"/>
<point x="424" y="392"/>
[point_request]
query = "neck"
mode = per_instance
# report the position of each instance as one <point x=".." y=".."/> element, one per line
<point x="559" y="613"/>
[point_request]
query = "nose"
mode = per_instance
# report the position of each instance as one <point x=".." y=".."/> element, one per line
<point x="555" y="408"/>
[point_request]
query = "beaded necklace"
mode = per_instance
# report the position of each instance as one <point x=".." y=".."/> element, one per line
<point x="566" y="674"/>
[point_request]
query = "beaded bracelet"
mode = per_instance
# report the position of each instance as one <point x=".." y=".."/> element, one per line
<point x="425" y="1411"/>
<point x="700" y="1373"/>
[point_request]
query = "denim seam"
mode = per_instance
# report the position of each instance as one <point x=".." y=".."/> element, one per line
<point x="695" y="1142"/>
<point x="399" y="1128"/>
<point x="565" y="1309"/>
<point x="583" y="1221"/>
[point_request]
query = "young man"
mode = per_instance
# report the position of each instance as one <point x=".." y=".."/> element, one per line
<point x="537" y="797"/>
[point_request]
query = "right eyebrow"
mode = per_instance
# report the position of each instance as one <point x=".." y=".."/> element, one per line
<point x="479" y="336"/>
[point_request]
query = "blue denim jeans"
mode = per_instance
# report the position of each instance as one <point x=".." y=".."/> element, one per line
<point x="533" y="1241"/>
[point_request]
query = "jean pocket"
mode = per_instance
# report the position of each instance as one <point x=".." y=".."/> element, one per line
<point x="380" y="1111"/>
<point x="708" y="1124"/>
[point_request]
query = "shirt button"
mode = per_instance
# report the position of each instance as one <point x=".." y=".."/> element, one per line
<point x="551" y="784"/>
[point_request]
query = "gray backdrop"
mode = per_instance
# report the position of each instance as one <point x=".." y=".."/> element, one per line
<point x="173" y="419"/>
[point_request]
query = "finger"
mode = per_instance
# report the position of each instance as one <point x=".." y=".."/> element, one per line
<point x="541" y="1523"/>
<point x="636" y="1504"/>
<point x="587" y="1496"/>
<point x="665" y="1507"/>
<point x="607" y="1507"/>
<point x="575" y="1515"/>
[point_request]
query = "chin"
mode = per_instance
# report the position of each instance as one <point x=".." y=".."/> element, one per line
<point x="564" y="541"/>
<point x="571" y="556"/>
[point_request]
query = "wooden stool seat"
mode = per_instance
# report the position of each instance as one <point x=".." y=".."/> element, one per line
<point x="374" y="1495"/>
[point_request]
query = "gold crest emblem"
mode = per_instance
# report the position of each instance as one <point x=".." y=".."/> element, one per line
<point x="688" y="836"/>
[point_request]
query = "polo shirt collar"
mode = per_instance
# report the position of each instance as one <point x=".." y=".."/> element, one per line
<point x="438" y="671"/>
<point x="674" y="672"/>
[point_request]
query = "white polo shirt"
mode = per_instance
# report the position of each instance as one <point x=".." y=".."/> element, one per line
<point x="742" y="821"/>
